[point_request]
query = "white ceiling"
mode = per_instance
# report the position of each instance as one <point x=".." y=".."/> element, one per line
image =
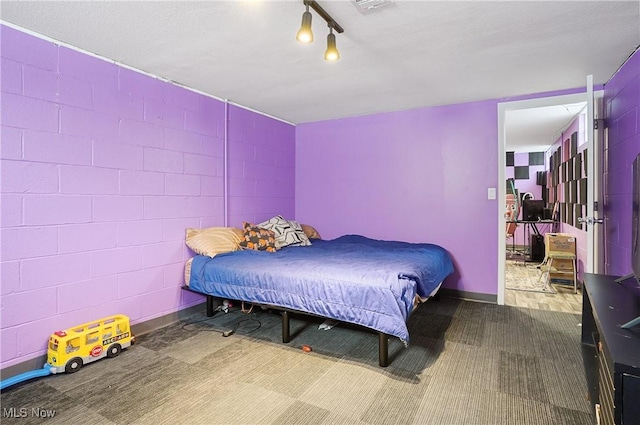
<point x="405" y="55"/>
<point x="536" y="129"/>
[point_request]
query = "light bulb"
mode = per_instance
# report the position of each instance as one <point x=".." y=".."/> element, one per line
<point x="331" y="54"/>
<point x="305" y="35"/>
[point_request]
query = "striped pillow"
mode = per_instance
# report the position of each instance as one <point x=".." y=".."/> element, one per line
<point x="213" y="240"/>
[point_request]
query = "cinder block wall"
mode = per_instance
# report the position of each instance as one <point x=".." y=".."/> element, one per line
<point x="102" y="170"/>
<point x="622" y="112"/>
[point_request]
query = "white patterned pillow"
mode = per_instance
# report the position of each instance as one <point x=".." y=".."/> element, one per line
<point x="288" y="232"/>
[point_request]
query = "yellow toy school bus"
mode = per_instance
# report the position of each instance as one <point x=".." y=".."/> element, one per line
<point x="70" y="349"/>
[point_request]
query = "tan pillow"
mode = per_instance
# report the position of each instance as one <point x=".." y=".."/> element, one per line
<point x="213" y="240"/>
<point x="310" y="232"/>
<point x="238" y="232"/>
<point x="187" y="271"/>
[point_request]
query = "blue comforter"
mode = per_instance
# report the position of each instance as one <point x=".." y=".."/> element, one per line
<point x="353" y="279"/>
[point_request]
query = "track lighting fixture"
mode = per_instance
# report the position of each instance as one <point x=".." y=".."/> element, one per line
<point x="331" y="54"/>
<point x="305" y="35"/>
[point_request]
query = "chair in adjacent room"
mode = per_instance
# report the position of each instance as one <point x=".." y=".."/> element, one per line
<point x="555" y="264"/>
<point x="511" y="215"/>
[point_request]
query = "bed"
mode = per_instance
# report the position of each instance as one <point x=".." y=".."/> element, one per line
<point x="353" y="279"/>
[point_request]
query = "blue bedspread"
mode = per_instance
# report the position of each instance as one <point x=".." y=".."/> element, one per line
<point x="352" y="279"/>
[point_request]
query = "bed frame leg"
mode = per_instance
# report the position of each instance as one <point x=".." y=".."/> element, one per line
<point x="383" y="349"/>
<point x="210" y="309"/>
<point x="285" y="327"/>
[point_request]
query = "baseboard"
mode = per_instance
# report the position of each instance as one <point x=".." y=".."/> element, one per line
<point x="137" y="329"/>
<point x="25" y="366"/>
<point x="516" y="247"/>
<point x="469" y="296"/>
<point x="166" y="320"/>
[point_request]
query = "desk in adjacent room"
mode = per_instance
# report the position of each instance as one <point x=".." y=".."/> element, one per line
<point x="531" y="229"/>
<point x="530" y="225"/>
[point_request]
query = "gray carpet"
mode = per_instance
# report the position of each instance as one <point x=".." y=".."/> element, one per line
<point x="467" y="363"/>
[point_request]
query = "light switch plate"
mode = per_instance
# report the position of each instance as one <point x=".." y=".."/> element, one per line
<point x="491" y="193"/>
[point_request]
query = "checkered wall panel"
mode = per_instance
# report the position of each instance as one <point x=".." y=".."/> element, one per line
<point x="524" y="165"/>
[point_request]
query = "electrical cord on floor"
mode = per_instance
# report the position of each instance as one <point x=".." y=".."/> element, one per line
<point x="185" y="326"/>
<point x="235" y="328"/>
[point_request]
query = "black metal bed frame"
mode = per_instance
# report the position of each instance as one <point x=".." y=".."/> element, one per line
<point x="383" y="339"/>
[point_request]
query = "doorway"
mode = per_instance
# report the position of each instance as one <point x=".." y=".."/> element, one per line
<point x="532" y="118"/>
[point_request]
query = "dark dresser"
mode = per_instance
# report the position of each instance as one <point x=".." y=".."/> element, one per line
<point x="612" y="354"/>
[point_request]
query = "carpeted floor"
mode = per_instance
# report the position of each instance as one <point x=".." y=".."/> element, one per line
<point x="467" y="363"/>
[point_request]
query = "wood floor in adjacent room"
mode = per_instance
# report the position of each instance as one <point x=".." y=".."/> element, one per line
<point x="563" y="300"/>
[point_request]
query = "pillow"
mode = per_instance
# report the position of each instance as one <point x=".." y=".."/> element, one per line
<point x="187" y="271"/>
<point x="239" y="232"/>
<point x="288" y="232"/>
<point x="310" y="231"/>
<point x="258" y="239"/>
<point x="213" y="240"/>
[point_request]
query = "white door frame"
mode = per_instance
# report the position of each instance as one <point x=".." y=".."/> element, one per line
<point x="595" y="139"/>
<point x="503" y="108"/>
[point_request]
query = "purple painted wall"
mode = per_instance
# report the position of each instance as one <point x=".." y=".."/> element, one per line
<point x="622" y="112"/>
<point x="420" y="175"/>
<point x="102" y="170"/>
